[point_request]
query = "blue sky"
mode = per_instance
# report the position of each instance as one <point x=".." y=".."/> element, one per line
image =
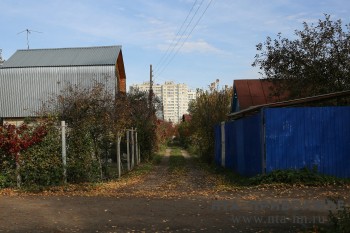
<point x="221" y="46"/>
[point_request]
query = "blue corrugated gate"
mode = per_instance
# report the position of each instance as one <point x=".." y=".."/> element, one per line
<point x="289" y="138"/>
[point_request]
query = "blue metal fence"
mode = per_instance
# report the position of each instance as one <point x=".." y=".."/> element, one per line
<point x="242" y="145"/>
<point x="308" y="137"/>
<point x="289" y="138"/>
<point x="217" y="130"/>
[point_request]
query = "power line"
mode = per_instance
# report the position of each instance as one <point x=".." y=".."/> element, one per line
<point x="199" y="19"/>
<point x="181" y="36"/>
<point x="173" y="40"/>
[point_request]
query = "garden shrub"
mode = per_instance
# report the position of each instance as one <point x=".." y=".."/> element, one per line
<point x="7" y="176"/>
<point x="42" y="163"/>
<point x="82" y="165"/>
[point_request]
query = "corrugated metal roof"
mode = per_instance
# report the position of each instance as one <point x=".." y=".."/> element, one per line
<point x="251" y="92"/>
<point x="289" y="103"/>
<point x="84" y="56"/>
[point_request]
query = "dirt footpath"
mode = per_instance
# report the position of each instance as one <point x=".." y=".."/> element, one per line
<point x="191" y="201"/>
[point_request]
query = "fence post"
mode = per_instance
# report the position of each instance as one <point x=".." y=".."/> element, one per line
<point x="132" y="149"/>
<point x="64" y="155"/>
<point x="223" y="144"/>
<point x="118" y="156"/>
<point x="128" y="148"/>
<point x="136" y="148"/>
<point x="139" y="153"/>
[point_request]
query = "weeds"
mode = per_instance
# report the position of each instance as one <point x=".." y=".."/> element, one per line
<point x="157" y="159"/>
<point x="339" y="220"/>
<point x="176" y="161"/>
<point x="141" y="169"/>
<point x="302" y="176"/>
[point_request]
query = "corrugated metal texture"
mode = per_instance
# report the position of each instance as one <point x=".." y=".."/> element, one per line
<point x="242" y="145"/>
<point x="105" y="55"/>
<point x="248" y="134"/>
<point x="308" y="137"/>
<point x="217" y="130"/>
<point x="229" y="145"/>
<point x="252" y="92"/>
<point x="23" y="90"/>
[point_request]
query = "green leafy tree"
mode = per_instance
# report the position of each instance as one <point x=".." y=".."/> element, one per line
<point x="90" y="114"/>
<point x="97" y="120"/>
<point x="143" y="117"/>
<point x="316" y="62"/>
<point x="210" y="108"/>
<point x="184" y="134"/>
<point x="89" y="111"/>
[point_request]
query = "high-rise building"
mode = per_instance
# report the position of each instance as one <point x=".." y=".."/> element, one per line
<point x="192" y="95"/>
<point x="175" y="98"/>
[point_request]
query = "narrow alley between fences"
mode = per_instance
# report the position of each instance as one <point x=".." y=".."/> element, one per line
<point x="176" y="195"/>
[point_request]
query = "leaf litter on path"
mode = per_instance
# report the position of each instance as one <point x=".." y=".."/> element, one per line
<point x="190" y="181"/>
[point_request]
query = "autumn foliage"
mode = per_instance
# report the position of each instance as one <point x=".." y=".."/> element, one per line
<point x="30" y="155"/>
<point x="210" y="108"/>
<point x="14" y="139"/>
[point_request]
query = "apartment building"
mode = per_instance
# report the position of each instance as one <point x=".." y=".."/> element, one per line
<point x="192" y="95"/>
<point x="175" y="98"/>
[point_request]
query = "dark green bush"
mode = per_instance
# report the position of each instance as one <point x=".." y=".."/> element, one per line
<point x="82" y="164"/>
<point x="42" y="163"/>
<point x="7" y="171"/>
<point x="3" y="181"/>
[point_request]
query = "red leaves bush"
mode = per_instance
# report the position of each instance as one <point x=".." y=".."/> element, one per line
<point x="14" y="139"/>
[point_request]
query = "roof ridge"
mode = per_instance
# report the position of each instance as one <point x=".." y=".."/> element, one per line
<point x="81" y="56"/>
<point x="91" y="47"/>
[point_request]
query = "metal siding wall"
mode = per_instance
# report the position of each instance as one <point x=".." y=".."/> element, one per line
<point x="239" y="146"/>
<point x="252" y="145"/>
<point x="229" y="148"/>
<point x="223" y="144"/>
<point x="217" y="130"/>
<point x="243" y="145"/>
<point x="307" y="137"/>
<point x="23" y="90"/>
<point x="281" y="130"/>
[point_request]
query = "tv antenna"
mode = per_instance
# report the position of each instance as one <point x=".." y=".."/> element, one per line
<point x="28" y="31"/>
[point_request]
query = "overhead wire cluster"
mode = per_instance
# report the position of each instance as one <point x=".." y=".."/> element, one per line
<point x="191" y="21"/>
